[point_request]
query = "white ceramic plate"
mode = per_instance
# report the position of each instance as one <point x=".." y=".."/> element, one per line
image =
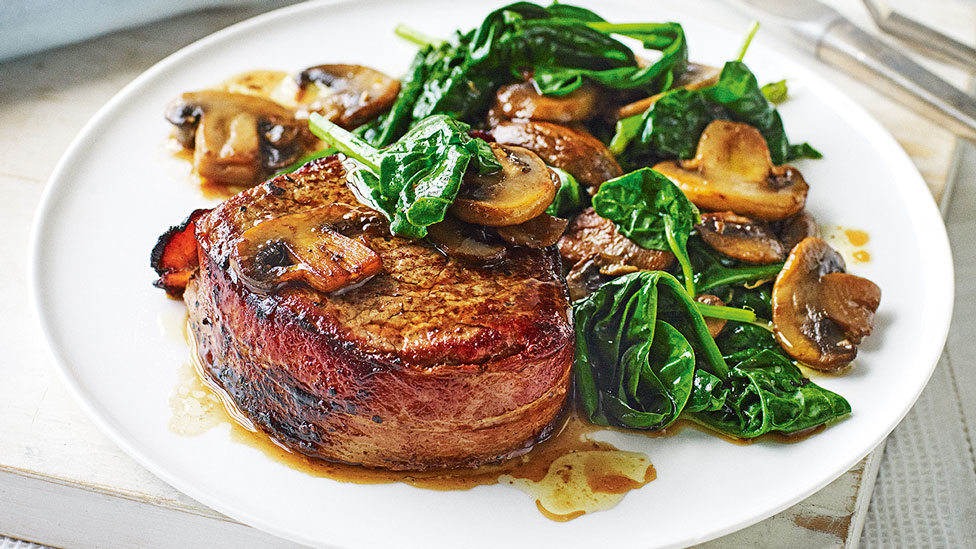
<point x="116" y="190"/>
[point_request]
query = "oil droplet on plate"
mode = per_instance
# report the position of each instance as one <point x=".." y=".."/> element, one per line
<point x="856" y="237"/>
<point x="861" y="256"/>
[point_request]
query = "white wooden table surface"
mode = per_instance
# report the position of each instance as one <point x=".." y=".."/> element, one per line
<point x="64" y="483"/>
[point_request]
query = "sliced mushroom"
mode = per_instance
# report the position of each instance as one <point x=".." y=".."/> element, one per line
<point x="733" y="171"/>
<point x="465" y="241"/>
<point x="236" y="139"/>
<point x="523" y="101"/>
<point x="591" y="236"/>
<point x="309" y="247"/>
<point x="585" y="277"/>
<point x="278" y="86"/>
<point x="520" y="191"/>
<point x="577" y="152"/>
<point x="348" y="95"/>
<point x="741" y="238"/>
<point x="539" y="232"/>
<point x="821" y="313"/>
<point x="695" y="77"/>
<point x="795" y="228"/>
<point x="714" y="325"/>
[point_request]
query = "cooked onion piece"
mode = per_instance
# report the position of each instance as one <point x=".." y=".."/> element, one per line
<point x="236" y="139"/>
<point x="309" y="247"/>
<point x="520" y="191"/>
<point x="821" y="313"/>
<point x="732" y="170"/>
<point x="741" y="238"/>
<point x="348" y="95"/>
<point x="577" y="152"/>
<point x="522" y="101"/>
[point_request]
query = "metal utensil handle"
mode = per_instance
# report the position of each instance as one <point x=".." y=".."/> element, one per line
<point x="860" y="54"/>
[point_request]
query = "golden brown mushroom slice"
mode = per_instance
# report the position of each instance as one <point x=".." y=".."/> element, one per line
<point x="585" y="277"/>
<point x="465" y="241"/>
<point x="591" y="236"/>
<point x="309" y="247"/>
<point x="522" y="101"/>
<point x="348" y="95"/>
<point x="539" y="232"/>
<point x="795" y="228"/>
<point x="577" y="152"/>
<point x="732" y="170"/>
<point x="741" y="238"/>
<point x="520" y="191"/>
<point x="236" y="139"/>
<point x="821" y="313"/>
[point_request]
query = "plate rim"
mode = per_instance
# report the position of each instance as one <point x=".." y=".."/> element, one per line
<point x="913" y="188"/>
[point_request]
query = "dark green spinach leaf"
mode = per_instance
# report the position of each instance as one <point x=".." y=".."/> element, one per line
<point x="562" y="46"/>
<point x="570" y="199"/>
<point x="644" y="357"/>
<point x="633" y="368"/>
<point x="713" y="270"/>
<point x="652" y="211"/>
<point x="416" y="179"/>
<point x="767" y="393"/>
<point x="672" y="127"/>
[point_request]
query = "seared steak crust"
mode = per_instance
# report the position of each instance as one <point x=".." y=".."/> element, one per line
<point x="432" y="363"/>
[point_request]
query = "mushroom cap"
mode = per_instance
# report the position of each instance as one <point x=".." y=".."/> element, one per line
<point x="520" y="191"/>
<point x="591" y="236"/>
<point x="577" y="152"/>
<point x="539" y="232"/>
<point x="821" y="313"/>
<point x="733" y="171"/>
<point x="237" y="139"/>
<point x="522" y="101"/>
<point x="348" y="95"/>
<point x="460" y="240"/>
<point x="795" y="228"/>
<point x="741" y="238"/>
<point x="309" y="247"/>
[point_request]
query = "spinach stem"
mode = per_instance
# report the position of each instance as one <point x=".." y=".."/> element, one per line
<point x="625" y="131"/>
<point x="727" y="313"/>
<point x="415" y="36"/>
<point x="344" y="142"/>
<point x="682" y="255"/>
<point x="749" y="36"/>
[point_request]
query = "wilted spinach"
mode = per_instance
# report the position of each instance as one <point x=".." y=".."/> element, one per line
<point x="570" y="197"/>
<point x="672" y="127"/>
<point x="644" y="357"/>
<point x="713" y="270"/>
<point x="562" y="46"/>
<point x="767" y="393"/>
<point x="649" y="209"/>
<point x="416" y="179"/>
<point x="776" y="92"/>
<point x="633" y="367"/>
